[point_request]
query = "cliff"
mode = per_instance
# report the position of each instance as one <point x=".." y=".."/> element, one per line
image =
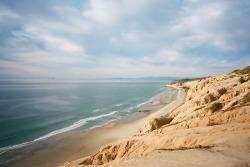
<point x="213" y="123"/>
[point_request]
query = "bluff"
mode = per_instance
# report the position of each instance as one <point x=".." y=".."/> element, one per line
<point x="213" y="122"/>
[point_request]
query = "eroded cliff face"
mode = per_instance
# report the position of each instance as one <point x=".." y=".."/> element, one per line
<point x="216" y="114"/>
<point x="224" y="90"/>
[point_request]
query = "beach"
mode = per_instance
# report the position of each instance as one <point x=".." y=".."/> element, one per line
<point x="206" y="123"/>
<point x="124" y="83"/>
<point x="77" y="143"/>
<point x="211" y="128"/>
<point x="117" y="132"/>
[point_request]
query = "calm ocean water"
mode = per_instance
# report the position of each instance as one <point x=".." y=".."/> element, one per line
<point x="32" y="111"/>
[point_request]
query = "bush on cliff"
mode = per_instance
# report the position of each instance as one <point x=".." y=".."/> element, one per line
<point x="215" y="107"/>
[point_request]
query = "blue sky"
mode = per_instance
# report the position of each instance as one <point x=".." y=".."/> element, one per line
<point x="77" y="39"/>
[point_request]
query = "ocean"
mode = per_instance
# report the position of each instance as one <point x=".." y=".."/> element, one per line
<point x="33" y="110"/>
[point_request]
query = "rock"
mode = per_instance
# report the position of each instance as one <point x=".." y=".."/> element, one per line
<point x="156" y="124"/>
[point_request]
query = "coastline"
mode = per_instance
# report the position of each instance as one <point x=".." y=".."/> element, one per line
<point x="117" y="132"/>
<point x="79" y="144"/>
<point x="211" y="128"/>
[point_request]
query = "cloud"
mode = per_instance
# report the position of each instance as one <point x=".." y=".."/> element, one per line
<point x="53" y="42"/>
<point x="111" y="11"/>
<point x="116" y="38"/>
<point x="201" y="25"/>
<point x="16" y="69"/>
<point x="130" y="36"/>
<point x="165" y="57"/>
<point x="4" y="13"/>
<point x="207" y="23"/>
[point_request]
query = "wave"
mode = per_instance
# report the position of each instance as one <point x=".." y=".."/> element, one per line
<point x="151" y="99"/>
<point x="143" y="103"/>
<point x="98" y="126"/>
<point x="96" y="110"/>
<point x="128" y="109"/>
<point x="56" y="132"/>
<point x="119" y="105"/>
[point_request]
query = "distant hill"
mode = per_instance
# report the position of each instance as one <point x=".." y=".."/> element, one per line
<point x="149" y="78"/>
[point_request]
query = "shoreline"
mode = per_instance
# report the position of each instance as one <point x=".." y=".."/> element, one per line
<point x="81" y="144"/>
<point x="213" y="123"/>
<point x="117" y="132"/>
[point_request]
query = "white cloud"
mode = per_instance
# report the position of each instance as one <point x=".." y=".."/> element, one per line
<point x="203" y="25"/>
<point x="124" y="37"/>
<point x="40" y="58"/>
<point x="15" y="68"/>
<point x="170" y="55"/>
<point x="103" y="11"/>
<point x="72" y="22"/>
<point x="165" y="56"/>
<point x="7" y="13"/>
<point x="111" y="11"/>
<point x="6" y="16"/>
<point x="131" y="37"/>
<point x="60" y="44"/>
<point x="55" y="42"/>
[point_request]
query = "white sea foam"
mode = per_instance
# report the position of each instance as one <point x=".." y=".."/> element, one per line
<point x="143" y="103"/>
<point x="96" y="110"/>
<point x="150" y="100"/>
<point x="56" y="132"/>
<point x="97" y="126"/>
<point x="128" y="109"/>
<point x="119" y="105"/>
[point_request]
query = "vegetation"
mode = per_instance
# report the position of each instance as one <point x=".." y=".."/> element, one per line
<point x="215" y="107"/>
<point x="192" y="79"/>
<point x="185" y="88"/>
<point x="243" y="71"/>
<point x="222" y="91"/>
<point x="181" y="81"/>
<point x="242" y="80"/>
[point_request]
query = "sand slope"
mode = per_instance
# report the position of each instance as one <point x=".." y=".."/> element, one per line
<point x="194" y="134"/>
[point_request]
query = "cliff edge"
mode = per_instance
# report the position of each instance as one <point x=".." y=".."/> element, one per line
<point x="212" y="127"/>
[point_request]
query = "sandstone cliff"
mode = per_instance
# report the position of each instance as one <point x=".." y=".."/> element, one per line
<point x="215" y="117"/>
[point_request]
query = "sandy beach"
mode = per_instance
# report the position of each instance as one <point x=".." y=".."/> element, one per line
<point x="211" y="128"/>
<point x="117" y="132"/>
<point x="76" y="144"/>
<point x="207" y="124"/>
<point x="124" y="83"/>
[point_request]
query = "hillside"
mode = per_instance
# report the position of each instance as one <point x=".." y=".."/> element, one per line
<point x="212" y="127"/>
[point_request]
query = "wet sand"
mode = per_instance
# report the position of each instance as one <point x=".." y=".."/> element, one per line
<point x="76" y="144"/>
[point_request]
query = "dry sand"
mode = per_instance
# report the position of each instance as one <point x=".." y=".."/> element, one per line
<point x="212" y="128"/>
<point x="73" y="145"/>
<point x="116" y="132"/>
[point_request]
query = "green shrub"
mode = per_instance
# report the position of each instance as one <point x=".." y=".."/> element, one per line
<point x="215" y="107"/>
<point x="243" y="71"/>
<point x="185" y="88"/>
<point x="242" y="80"/>
<point x="222" y="91"/>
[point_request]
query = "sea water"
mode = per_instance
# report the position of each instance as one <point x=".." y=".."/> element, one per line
<point x="32" y="110"/>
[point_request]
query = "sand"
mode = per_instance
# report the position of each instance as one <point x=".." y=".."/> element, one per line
<point x="119" y="132"/>
<point x="211" y="128"/>
<point x="190" y="131"/>
<point x="76" y="144"/>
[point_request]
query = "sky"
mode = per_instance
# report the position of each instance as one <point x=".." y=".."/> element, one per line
<point x="79" y="39"/>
